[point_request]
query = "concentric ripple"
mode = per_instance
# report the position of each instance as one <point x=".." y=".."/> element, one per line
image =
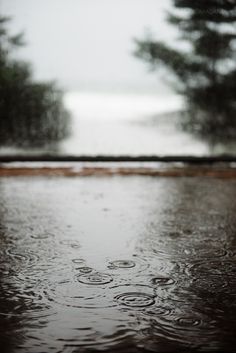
<point x="133" y="295"/>
<point x="79" y="262"/>
<point x="126" y="266"/>
<point x="23" y="256"/>
<point x="122" y="264"/>
<point x="162" y="281"/>
<point x="188" y="321"/>
<point x="135" y="299"/>
<point x="70" y="293"/>
<point x="96" y="278"/>
<point x="85" y="269"/>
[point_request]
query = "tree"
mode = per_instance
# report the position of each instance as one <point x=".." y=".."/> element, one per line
<point x="206" y="68"/>
<point x="31" y="113"/>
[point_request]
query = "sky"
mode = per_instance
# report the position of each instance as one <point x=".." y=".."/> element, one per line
<point x="88" y="44"/>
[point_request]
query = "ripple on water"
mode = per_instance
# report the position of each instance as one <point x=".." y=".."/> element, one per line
<point x="162" y="281"/>
<point x="161" y="264"/>
<point x="42" y="236"/>
<point x="214" y="268"/>
<point x="187" y="321"/>
<point x="210" y="252"/>
<point x="157" y="310"/>
<point x="183" y="294"/>
<point x="70" y="293"/>
<point x="135" y="299"/>
<point x="133" y="295"/>
<point x="25" y="301"/>
<point x="179" y="324"/>
<point x="180" y="250"/>
<point x="85" y="269"/>
<point x="211" y="284"/>
<point x="121" y="264"/>
<point x="95" y="278"/>
<point x="74" y="244"/>
<point x="81" y="266"/>
<point x="79" y="262"/>
<point x="25" y="256"/>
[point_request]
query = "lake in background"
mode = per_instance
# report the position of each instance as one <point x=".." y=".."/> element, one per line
<point x="130" y="124"/>
<point x="127" y="124"/>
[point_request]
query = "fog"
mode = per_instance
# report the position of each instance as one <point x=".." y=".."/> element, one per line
<point x="88" y="44"/>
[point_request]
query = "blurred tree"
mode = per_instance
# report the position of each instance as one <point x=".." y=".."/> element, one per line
<point x="205" y="68"/>
<point x="31" y="114"/>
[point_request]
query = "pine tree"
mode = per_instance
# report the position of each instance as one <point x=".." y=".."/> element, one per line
<point x="31" y="113"/>
<point x="206" y="68"/>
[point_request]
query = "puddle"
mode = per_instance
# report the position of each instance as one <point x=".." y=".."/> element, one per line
<point x="156" y="273"/>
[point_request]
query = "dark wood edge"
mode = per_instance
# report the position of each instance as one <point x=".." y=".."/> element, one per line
<point x="105" y="158"/>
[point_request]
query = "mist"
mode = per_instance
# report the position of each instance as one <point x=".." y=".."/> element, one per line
<point x="88" y="44"/>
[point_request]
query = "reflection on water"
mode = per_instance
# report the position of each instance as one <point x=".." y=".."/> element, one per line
<point x="125" y="264"/>
<point x="127" y="124"/>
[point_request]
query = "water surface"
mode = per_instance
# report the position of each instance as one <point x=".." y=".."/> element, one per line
<point x="117" y="264"/>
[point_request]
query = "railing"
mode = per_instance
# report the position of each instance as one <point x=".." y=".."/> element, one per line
<point x="158" y="166"/>
<point x="106" y="158"/>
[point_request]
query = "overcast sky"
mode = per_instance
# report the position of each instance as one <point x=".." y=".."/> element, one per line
<point x="88" y="43"/>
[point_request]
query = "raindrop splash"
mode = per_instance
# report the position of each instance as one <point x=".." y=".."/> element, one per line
<point x="135" y="299"/>
<point x="162" y="281"/>
<point x="122" y="264"/>
<point x="95" y="278"/>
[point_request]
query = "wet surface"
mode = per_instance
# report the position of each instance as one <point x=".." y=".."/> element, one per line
<point x="117" y="264"/>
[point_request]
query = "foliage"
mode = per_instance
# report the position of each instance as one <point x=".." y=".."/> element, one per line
<point x="31" y="113"/>
<point x="206" y="68"/>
